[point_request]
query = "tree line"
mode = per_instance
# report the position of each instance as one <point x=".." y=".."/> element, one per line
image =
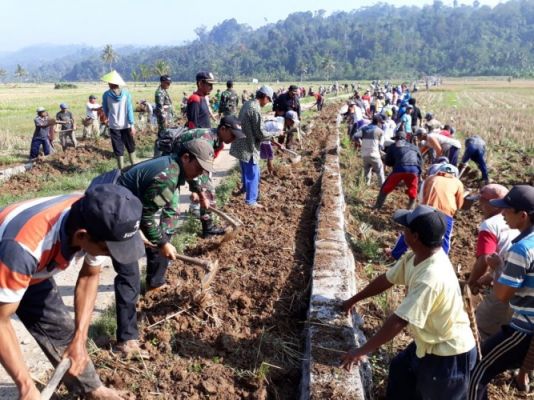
<point x="375" y="42"/>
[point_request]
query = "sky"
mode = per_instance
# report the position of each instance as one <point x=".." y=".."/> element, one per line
<point x="149" y="22"/>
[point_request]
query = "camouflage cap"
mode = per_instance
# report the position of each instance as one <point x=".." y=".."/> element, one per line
<point x="203" y="151"/>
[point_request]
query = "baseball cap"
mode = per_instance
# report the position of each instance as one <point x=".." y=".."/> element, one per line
<point x="40" y="109"/>
<point x="165" y="78"/>
<point x="429" y="223"/>
<point x="203" y="151"/>
<point x="490" y="192"/>
<point x="267" y="91"/>
<point x="520" y="198"/>
<point x="449" y="169"/>
<point x="233" y="123"/>
<point x="112" y="213"/>
<point x="293" y="88"/>
<point x="229" y="83"/>
<point x="292" y="115"/>
<point x="92" y="97"/>
<point x="206" y="76"/>
<point x="63" y="106"/>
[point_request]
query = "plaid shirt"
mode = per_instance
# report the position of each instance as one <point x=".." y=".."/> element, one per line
<point x="248" y="148"/>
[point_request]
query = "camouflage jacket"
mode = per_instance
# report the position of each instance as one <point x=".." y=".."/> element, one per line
<point x="164" y="110"/>
<point x="248" y="148"/>
<point x="210" y="135"/>
<point x="156" y="183"/>
<point x="229" y="102"/>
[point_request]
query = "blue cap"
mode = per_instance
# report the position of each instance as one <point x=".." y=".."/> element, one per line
<point x="63" y="106"/>
<point x="111" y="213"/>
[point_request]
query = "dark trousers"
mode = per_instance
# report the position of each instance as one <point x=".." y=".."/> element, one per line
<point x="36" y="144"/>
<point x="453" y="155"/>
<point x="501" y="352"/>
<point x="431" y="377"/>
<point x="46" y="317"/>
<point x="121" y="138"/>
<point x="476" y="154"/>
<point x="128" y="287"/>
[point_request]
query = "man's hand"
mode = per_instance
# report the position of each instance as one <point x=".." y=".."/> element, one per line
<point x="132" y="130"/>
<point x="495" y="261"/>
<point x="352" y="357"/>
<point x="204" y="201"/>
<point x="195" y="198"/>
<point x="29" y="393"/>
<point x="168" y="251"/>
<point x="77" y="352"/>
<point x="347" y="305"/>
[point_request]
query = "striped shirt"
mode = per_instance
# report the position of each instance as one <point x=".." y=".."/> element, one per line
<point x="34" y="244"/>
<point x="519" y="273"/>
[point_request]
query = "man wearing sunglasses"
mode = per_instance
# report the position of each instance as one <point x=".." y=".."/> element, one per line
<point x="197" y="111"/>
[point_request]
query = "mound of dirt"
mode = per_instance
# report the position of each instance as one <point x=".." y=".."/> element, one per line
<point x="243" y="338"/>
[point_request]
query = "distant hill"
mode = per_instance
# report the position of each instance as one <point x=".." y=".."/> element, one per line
<point x="381" y="41"/>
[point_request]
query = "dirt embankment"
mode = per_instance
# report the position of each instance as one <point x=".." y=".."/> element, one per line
<point x="244" y="341"/>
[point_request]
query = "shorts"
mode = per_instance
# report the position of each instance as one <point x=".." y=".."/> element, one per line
<point x="266" y="151"/>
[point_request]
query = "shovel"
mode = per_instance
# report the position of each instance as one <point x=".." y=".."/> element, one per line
<point x="463" y="171"/>
<point x="234" y="222"/>
<point x="294" y="157"/>
<point x="59" y="372"/>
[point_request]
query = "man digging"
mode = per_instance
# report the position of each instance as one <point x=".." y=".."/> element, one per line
<point x="41" y="237"/>
<point x="156" y="183"/>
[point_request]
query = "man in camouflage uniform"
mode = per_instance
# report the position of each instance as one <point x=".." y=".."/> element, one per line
<point x="156" y="182"/>
<point x="202" y="188"/>
<point x="164" y="110"/>
<point x="229" y="100"/>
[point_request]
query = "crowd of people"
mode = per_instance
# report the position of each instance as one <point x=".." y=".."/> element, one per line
<point x="387" y="127"/>
<point x="125" y="213"/>
<point x="130" y="212"/>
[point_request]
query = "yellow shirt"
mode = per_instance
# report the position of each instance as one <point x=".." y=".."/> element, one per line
<point x="433" y="306"/>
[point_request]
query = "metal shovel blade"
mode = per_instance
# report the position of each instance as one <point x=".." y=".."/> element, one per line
<point x="60" y="371"/>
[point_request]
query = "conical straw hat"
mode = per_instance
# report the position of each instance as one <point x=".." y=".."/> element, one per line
<point x="114" y="78"/>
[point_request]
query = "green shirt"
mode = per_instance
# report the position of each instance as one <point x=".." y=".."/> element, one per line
<point x="164" y="110"/>
<point x="156" y="183"/>
<point x="248" y="148"/>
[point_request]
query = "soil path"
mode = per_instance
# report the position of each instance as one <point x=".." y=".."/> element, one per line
<point x="66" y="281"/>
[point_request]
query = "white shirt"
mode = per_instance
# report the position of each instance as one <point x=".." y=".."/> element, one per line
<point x="90" y="110"/>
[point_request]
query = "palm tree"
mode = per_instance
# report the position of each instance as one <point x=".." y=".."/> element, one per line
<point x="3" y="74"/>
<point x="162" y="67"/>
<point x="109" y="55"/>
<point x="329" y="66"/>
<point x="20" y="72"/>
<point x="303" y="70"/>
<point x="135" y="77"/>
<point x="145" y="72"/>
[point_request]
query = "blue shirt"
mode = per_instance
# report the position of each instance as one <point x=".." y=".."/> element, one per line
<point x="406" y="119"/>
<point x="519" y="273"/>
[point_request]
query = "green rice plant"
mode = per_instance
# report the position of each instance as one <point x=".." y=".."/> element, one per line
<point x="105" y="325"/>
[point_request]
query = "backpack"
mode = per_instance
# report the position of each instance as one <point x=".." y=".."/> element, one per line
<point x="167" y="137"/>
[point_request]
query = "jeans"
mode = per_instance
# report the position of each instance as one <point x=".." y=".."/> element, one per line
<point x="36" y="146"/>
<point x="250" y="176"/>
<point x="48" y="320"/>
<point x="431" y="377"/>
<point x="401" y="247"/>
<point x="476" y="154"/>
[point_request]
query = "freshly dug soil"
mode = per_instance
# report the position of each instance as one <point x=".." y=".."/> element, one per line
<point x="383" y="231"/>
<point x="242" y="339"/>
